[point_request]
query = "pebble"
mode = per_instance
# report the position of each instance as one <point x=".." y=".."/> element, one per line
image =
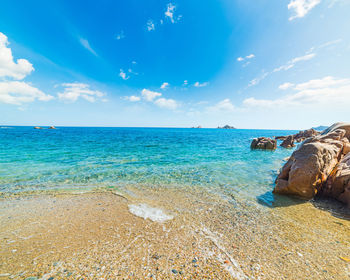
<point x="174" y="271"/>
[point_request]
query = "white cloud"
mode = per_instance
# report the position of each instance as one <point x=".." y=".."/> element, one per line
<point x="120" y="35"/>
<point x="185" y="83"/>
<point x="8" y="67"/>
<point x="290" y="64"/>
<point x="328" y="91"/>
<point x="123" y="75"/>
<point x="258" y="79"/>
<point x="150" y="25"/>
<point x="166" y="103"/>
<point x="17" y="93"/>
<point x="224" y="105"/>
<point x="244" y="58"/>
<point x="285" y="86"/>
<point x="301" y="7"/>
<point x="170" y="12"/>
<point x="73" y="91"/>
<point x="85" y="43"/>
<point x="149" y="95"/>
<point x="132" y="98"/>
<point x="164" y="85"/>
<point x="198" y="84"/>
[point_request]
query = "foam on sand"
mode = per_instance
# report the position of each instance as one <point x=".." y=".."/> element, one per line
<point x="147" y="212"/>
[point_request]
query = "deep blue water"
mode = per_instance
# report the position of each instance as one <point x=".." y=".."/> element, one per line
<point x="72" y="157"/>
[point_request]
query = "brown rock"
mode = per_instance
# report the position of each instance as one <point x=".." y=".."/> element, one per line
<point x="288" y="142"/>
<point x="345" y="126"/>
<point x="264" y="143"/>
<point x="338" y="183"/>
<point x="304" y="134"/>
<point x="309" y="166"/>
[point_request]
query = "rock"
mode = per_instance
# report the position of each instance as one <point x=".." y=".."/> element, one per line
<point x="38" y="127"/>
<point x="310" y="165"/>
<point x="338" y="183"/>
<point x="304" y="134"/>
<point x="52" y="127"/>
<point x="264" y="143"/>
<point x="320" y="128"/>
<point x="281" y="137"/>
<point x="345" y="126"/>
<point x="288" y="142"/>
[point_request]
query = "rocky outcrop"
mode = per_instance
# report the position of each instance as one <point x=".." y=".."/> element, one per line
<point x="288" y="142"/>
<point x="338" y="183"/>
<point x="321" y="165"/>
<point x="52" y="127"/>
<point x="264" y="143"/>
<point x="304" y="134"/>
<point x="309" y="166"/>
<point x="38" y="127"/>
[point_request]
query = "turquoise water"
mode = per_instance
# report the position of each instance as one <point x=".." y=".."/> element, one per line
<point x="216" y="159"/>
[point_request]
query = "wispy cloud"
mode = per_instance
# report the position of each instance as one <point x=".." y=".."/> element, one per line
<point x="149" y="95"/>
<point x="123" y="75"/>
<point x="290" y="64"/>
<point x="85" y="43"/>
<point x="285" y="86"/>
<point x="198" y="84"/>
<point x="166" y="103"/>
<point x="73" y="91"/>
<point x="328" y="91"/>
<point x="132" y="98"/>
<point x="120" y="35"/>
<point x="239" y="59"/>
<point x="301" y="7"/>
<point x="222" y="106"/>
<point x="164" y="85"/>
<point x="150" y="25"/>
<point x="169" y="13"/>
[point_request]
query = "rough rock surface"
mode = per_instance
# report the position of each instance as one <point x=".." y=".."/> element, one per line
<point x="307" y="170"/>
<point x="288" y="142"/>
<point x="304" y="134"/>
<point x="338" y="183"/>
<point x="264" y="143"/>
<point x="345" y="126"/>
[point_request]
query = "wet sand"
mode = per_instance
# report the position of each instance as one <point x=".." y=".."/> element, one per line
<point x="94" y="236"/>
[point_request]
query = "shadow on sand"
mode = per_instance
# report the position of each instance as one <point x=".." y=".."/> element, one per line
<point x="336" y="208"/>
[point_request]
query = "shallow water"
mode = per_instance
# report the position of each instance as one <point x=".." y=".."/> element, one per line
<point x="69" y="157"/>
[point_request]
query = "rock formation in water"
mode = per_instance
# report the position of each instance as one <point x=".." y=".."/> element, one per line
<point x="321" y="165"/>
<point x="38" y="127"/>
<point x="288" y="142"/>
<point x="264" y="143"/>
<point x="52" y="127"/>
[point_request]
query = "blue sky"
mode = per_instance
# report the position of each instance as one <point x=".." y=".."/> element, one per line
<point x="251" y="64"/>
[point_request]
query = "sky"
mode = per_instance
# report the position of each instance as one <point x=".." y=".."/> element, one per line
<point x="269" y="64"/>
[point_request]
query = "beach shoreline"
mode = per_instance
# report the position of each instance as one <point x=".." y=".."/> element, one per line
<point x="95" y="235"/>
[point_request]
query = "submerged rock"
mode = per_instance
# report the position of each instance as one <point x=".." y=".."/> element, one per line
<point x="318" y="166"/>
<point x="264" y="143"/>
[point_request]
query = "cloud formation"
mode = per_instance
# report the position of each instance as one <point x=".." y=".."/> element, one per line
<point x="132" y="98"/>
<point x="17" y="93"/>
<point x="149" y="95"/>
<point x="301" y="7"/>
<point x="223" y="106"/>
<point x="166" y="103"/>
<point x="150" y="25"/>
<point x="164" y="85"/>
<point x="85" y="43"/>
<point x="8" y="67"/>
<point x="198" y="84"/>
<point x="327" y="91"/>
<point x="246" y="57"/>
<point x="170" y="12"/>
<point x="73" y="91"/>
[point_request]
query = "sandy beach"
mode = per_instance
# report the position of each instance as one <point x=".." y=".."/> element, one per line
<point x="94" y="235"/>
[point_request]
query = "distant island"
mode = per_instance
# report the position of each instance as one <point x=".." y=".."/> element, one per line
<point x="227" y="127"/>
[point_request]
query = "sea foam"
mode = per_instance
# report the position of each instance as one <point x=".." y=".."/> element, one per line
<point x="147" y="212"/>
